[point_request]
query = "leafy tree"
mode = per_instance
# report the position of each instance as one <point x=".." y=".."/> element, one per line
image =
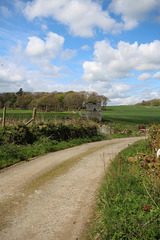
<point x="13" y="100"/>
<point x="94" y="97"/>
<point x="60" y="101"/>
<point x="55" y="101"/>
<point x="156" y="102"/>
<point x="47" y="102"/>
<point x="74" y="101"/>
<point x="23" y="101"/>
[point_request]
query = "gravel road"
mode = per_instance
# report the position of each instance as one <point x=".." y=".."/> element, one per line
<point x="51" y="197"/>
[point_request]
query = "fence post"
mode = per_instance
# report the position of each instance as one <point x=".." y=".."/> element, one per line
<point x="4" y="117"/>
<point x="34" y="115"/>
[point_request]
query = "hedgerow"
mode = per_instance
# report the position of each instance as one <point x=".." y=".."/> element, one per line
<point x="24" y="135"/>
<point x="22" y="142"/>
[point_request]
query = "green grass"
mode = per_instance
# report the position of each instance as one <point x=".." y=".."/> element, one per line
<point x="132" y="114"/>
<point x="40" y="116"/>
<point x="11" y="153"/>
<point x="130" y="117"/>
<point x="128" y="202"/>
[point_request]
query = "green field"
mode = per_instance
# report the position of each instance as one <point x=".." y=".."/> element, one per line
<point x="40" y="116"/>
<point x="132" y="114"/>
<point x="120" y="116"/>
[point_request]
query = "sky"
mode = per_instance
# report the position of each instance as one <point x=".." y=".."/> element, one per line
<point x="111" y="47"/>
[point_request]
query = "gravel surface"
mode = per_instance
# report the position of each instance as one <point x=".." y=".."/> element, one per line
<point x="52" y="197"/>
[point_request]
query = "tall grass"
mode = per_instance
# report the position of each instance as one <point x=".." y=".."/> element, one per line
<point x="129" y="202"/>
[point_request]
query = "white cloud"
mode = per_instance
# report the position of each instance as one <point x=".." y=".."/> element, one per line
<point x="50" y="47"/>
<point x="41" y="53"/>
<point x="35" y="67"/>
<point x="124" y="101"/>
<point x="133" y="11"/>
<point x="15" y="75"/>
<point x="118" y="91"/>
<point x="110" y="63"/>
<point x="10" y="73"/>
<point x="35" y="47"/>
<point x="156" y="75"/>
<point x="12" y="76"/>
<point x="154" y="95"/>
<point x="85" y="47"/>
<point x="144" y="77"/>
<point x="134" y="97"/>
<point x="70" y="12"/>
<point x="68" y="54"/>
<point x="81" y="16"/>
<point x="151" y="56"/>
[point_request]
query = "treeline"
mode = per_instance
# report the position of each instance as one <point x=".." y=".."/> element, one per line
<point x="54" y="101"/>
<point x="152" y="102"/>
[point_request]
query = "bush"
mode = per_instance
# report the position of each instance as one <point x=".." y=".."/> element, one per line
<point x="23" y="134"/>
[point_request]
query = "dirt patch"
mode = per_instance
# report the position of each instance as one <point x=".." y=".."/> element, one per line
<point x="52" y="196"/>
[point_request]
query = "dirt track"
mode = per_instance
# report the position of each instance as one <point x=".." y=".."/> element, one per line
<point x="51" y="197"/>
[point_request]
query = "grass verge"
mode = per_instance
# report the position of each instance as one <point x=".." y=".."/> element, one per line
<point x="11" y="153"/>
<point x="128" y="201"/>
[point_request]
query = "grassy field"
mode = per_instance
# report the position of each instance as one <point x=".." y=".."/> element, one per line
<point x="130" y="115"/>
<point x="40" y="116"/>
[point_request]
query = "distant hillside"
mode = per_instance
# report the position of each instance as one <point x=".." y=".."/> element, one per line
<point x="153" y="102"/>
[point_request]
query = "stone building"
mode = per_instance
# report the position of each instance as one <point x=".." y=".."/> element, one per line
<point x="94" y="110"/>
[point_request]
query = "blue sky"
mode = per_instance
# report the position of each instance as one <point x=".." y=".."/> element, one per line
<point x="111" y="47"/>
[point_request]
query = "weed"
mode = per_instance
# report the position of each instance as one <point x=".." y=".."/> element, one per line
<point x="128" y="205"/>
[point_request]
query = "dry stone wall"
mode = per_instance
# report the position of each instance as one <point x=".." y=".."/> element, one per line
<point x="94" y="110"/>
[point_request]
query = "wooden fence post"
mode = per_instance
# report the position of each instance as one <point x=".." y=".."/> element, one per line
<point x="4" y="117"/>
<point x="34" y="115"/>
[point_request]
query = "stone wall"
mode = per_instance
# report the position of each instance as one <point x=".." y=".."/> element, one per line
<point x="94" y="110"/>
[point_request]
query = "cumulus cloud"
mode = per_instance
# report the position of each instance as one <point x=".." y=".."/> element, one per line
<point x="69" y="13"/>
<point x="150" y="54"/>
<point x="81" y="16"/>
<point x="111" y="63"/>
<point x="10" y="73"/>
<point x="12" y="76"/>
<point x="133" y="11"/>
<point x="135" y="97"/>
<point x="35" y="66"/>
<point x="43" y="54"/>
<point x="35" y="47"/>
<point x="50" y="47"/>
<point x="16" y="75"/>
